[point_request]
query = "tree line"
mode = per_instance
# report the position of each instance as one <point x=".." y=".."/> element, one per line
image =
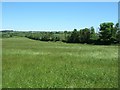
<point x="109" y="33"/>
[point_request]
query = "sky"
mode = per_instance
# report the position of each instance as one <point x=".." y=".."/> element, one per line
<point x="57" y="16"/>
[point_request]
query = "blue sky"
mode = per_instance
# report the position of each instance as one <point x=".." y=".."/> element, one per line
<point x="57" y="16"/>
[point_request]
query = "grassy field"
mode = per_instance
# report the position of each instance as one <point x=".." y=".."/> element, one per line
<point x="35" y="64"/>
<point x="0" y="62"/>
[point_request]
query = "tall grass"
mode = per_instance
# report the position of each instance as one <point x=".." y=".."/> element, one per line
<point x="0" y="63"/>
<point x="35" y="64"/>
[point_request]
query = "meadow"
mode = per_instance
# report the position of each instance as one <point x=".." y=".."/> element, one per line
<point x="29" y="63"/>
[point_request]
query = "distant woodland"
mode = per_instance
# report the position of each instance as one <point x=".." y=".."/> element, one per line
<point x="109" y="33"/>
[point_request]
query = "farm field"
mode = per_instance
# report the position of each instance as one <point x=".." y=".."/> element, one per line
<point x="28" y="63"/>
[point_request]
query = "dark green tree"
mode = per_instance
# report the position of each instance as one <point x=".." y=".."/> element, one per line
<point x="74" y="37"/>
<point x="92" y="33"/>
<point x="84" y="35"/>
<point x="117" y="27"/>
<point x="106" y="30"/>
<point x="65" y="33"/>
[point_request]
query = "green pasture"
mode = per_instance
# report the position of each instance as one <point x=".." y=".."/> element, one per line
<point x="29" y="63"/>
